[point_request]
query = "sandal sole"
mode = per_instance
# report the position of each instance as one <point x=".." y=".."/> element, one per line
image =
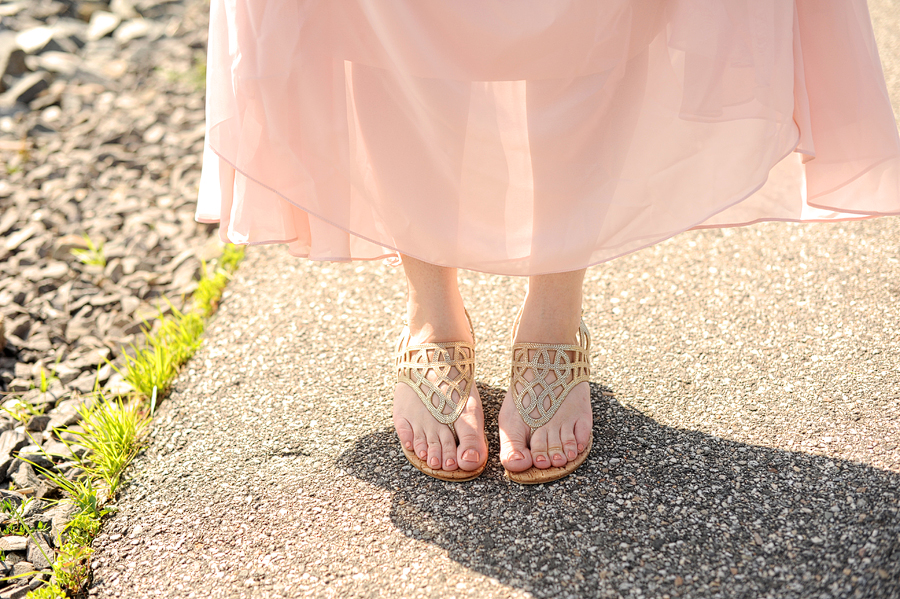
<point x="453" y="476"/>
<point x="537" y="476"/>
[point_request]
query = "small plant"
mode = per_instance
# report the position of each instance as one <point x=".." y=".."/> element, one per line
<point x="82" y="529"/>
<point x="92" y="255"/>
<point x="195" y="77"/>
<point x="209" y="288"/>
<point x="72" y="567"/>
<point x="113" y="434"/>
<point x="50" y="590"/>
<point x="155" y="366"/>
<point x="21" y="410"/>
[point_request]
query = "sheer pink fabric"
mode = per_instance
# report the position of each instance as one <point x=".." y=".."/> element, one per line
<point x="537" y="136"/>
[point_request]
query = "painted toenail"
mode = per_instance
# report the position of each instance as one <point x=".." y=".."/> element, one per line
<point x="435" y="462"/>
<point x="422" y="454"/>
<point x="557" y="456"/>
<point x="449" y="462"/>
<point x="408" y="445"/>
<point x="571" y="455"/>
<point x="470" y="455"/>
<point x="541" y="459"/>
<point x="580" y="447"/>
<point x="516" y="456"/>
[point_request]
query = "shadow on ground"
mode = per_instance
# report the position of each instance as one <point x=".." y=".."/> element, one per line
<point x="657" y="511"/>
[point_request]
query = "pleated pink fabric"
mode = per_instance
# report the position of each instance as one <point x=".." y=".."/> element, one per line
<point x="538" y="136"/>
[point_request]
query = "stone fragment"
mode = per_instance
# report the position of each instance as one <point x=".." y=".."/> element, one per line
<point x="38" y="343"/>
<point x="11" y="441"/>
<point x="12" y="58"/>
<point x="16" y="239"/>
<point x="64" y="372"/>
<point x="123" y="8"/>
<point x="54" y="62"/>
<point x="11" y="9"/>
<point x="17" y="592"/>
<point x="33" y="455"/>
<point x="37" y="423"/>
<point x="25" y="89"/>
<point x="25" y="478"/>
<point x="102" y="24"/>
<point x="40" y="554"/>
<point x="133" y="29"/>
<point x="23" y="568"/>
<point x="38" y="581"/>
<point x="19" y="386"/>
<point x="34" y="39"/>
<point x="65" y="414"/>
<point x="8" y="219"/>
<point x="60" y="515"/>
<point x="13" y="543"/>
<point x="63" y="246"/>
<point x="58" y="449"/>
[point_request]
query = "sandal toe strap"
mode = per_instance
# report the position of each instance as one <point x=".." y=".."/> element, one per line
<point x="544" y="359"/>
<point x="428" y="369"/>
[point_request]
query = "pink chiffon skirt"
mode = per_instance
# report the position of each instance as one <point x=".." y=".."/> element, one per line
<point x="537" y="136"/>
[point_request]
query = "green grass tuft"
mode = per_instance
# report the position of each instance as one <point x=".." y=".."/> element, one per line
<point x="92" y="255"/>
<point x="209" y="289"/>
<point x="113" y="434"/>
<point x="154" y="366"/>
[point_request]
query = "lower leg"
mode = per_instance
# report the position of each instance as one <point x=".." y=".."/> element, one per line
<point x="434" y="308"/>
<point x="435" y="314"/>
<point x="552" y="310"/>
<point x="551" y="314"/>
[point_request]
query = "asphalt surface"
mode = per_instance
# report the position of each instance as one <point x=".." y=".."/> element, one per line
<point x="747" y="416"/>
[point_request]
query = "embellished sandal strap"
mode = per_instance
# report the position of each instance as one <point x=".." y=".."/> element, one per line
<point x="546" y="358"/>
<point x="416" y="362"/>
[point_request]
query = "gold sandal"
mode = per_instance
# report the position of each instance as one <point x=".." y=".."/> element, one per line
<point x="539" y="389"/>
<point x="414" y="362"/>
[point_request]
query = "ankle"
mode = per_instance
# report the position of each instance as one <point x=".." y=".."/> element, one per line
<point x="548" y="324"/>
<point x="438" y="321"/>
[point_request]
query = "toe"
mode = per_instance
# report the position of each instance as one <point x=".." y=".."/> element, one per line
<point x="514" y="455"/>
<point x="471" y="450"/>
<point x="555" y="448"/>
<point x="420" y="444"/>
<point x="448" y="450"/>
<point x="434" y="450"/>
<point x="539" y="444"/>
<point x="404" y="433"/>
<point x="569" y="443"/>
<point x="470" y="453"/>
<point x="582" y="432"/>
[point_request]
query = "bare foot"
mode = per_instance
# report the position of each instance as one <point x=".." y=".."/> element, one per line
<point x="554" y="444"/>
<point x="568" y="432"/>
<point x="430" y="440"/>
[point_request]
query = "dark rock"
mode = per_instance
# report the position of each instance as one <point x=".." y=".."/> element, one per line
<point x="37" y="423"/>
<point x="26" y="88"/>
<point x="12" y="58"/>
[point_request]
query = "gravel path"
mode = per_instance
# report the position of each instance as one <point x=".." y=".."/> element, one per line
<point x="101" y="130"/>
<point x="747" y="416"/>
